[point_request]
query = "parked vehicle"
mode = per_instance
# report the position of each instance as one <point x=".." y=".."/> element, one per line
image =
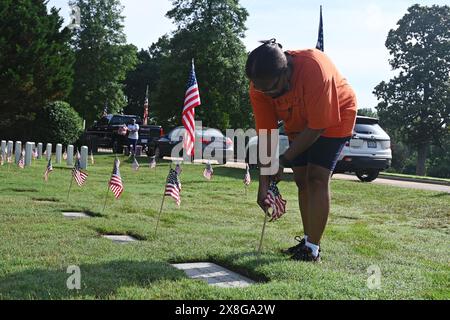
<point x="108" y="133"/>
<point x="252" y="147"/>
<point x="213" y="143"/>
<point x="366" y="154"/>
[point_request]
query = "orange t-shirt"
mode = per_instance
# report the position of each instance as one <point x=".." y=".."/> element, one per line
<point x="319" y="98"/>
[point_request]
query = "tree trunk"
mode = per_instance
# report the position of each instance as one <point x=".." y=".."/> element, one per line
<point x="422" y="151"/>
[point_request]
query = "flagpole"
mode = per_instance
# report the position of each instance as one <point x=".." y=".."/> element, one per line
<point x="160" y="212"/>
<point x="266" y="216"/>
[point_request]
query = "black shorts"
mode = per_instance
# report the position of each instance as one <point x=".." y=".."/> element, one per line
<point x="324" y="152"/>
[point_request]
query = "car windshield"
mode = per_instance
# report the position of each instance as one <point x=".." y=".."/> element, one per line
<point x="374" y="129"/>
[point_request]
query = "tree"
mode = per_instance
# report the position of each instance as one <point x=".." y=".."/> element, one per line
<point x="209" y="31"/>
<point x="35" y="64"/>
<point x="416" y="102"/>
<point x="102" y="58"/>
<point x="367" y="112"/>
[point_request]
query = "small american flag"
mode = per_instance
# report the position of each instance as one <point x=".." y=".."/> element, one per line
<point x="135" y="165"/>
<point x="247" y="177"/>
<point x="145" y="121"/>
<point x="65" y="155"/>
<point x="152" y="163"/>
<point x="22" y="160"/>
<point x="178" y="169"/>
<point x="48" y="169"/>
<point x="115" y="183"/>
<point x="208" y="172"/>
<point x="173" y="186"/>
<point x="191" y="100"/>
<point x="2" y="162"/>
<point x="35" y="154"/>
<point x="275" y="202"/>
<point x="9" y="157"/>
<point x="79" y="176"/>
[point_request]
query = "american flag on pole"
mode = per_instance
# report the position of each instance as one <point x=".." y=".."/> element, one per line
<point x="48" y="169"/>
<point x="79" y="176"/>
<point x="208" y="172"/>
<point x="247" y="177"/>
<point x="320" y="44"/>
<point x="145" y="121"/>
<point x="191" y="100"/>
<point x="65" y="155"/>
<point x="2" y="162"/>
<point x="275" y="202"/>
<point x="173" y="186"/>
<point x="34" y="154"/>
<point x="115" y="183"/>
<point x="178" y="169"/>
<point x="21" y="160"/>
<point x="105" y="111"/>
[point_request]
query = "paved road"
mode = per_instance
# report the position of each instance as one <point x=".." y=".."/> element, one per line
<point x="389" y="182"/>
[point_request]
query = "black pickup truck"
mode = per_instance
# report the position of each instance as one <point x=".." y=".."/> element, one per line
<point x="105" y="133"/>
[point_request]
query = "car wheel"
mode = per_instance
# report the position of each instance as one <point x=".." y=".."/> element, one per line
<point x="157" y="153"/>
<point x="367" y="175"/>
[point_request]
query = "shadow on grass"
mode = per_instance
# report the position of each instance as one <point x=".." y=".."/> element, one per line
<point x="441" y="195"/>
<point x="99" y="281"/>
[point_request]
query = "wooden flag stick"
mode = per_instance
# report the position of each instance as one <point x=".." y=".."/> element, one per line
<point x="266" y="216"/>
<point x="160" y="212"/>
<point x="106" y="198"/>
<point x="70" y="187"/>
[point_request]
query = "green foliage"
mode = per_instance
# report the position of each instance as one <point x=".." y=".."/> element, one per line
<point x="367" y="112"/>
<point x="210" y="32"/>
<point x="58" y="123"/>
<point x="102" y="59"/>
<point x="35" y="63"/>
<point x="415" y="103"/>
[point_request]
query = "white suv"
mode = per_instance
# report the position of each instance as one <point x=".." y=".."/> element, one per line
<point x="368" y="152"/>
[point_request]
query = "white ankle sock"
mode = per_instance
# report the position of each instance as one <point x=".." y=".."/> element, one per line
<point x="313" y="247"/>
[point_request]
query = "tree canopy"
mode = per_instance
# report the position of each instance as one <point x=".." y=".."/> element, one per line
<point x="102" y="58"/>
<point x="415" y="103"/>
<point x="35" y="64"/>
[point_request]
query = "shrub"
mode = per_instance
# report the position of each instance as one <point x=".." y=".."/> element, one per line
<point x="58" y="123"/>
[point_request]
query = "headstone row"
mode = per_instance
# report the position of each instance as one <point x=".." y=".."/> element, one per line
<point x="7" y="149"/>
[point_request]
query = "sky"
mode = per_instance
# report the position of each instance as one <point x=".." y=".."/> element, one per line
<point x="355" y="31"/>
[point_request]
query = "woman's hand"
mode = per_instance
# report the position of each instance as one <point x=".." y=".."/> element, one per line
<point x="264" y="182"/>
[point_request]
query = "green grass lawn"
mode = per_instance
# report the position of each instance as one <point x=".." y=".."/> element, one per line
<point x="404" y="232"/>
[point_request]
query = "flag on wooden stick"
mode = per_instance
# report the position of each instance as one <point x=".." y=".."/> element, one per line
<point x="247" y="177"/>
<point x="173" y="186"/>
<point x="48" y="170"/>
<point x="208" y="172"/>
<point x="275" y="201"/>
<point x="79" y="176"/>
<point x="22" y="160"/>
<point x="115" y="183"/>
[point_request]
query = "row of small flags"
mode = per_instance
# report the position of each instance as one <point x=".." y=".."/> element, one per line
<point x="173" y="184"/>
